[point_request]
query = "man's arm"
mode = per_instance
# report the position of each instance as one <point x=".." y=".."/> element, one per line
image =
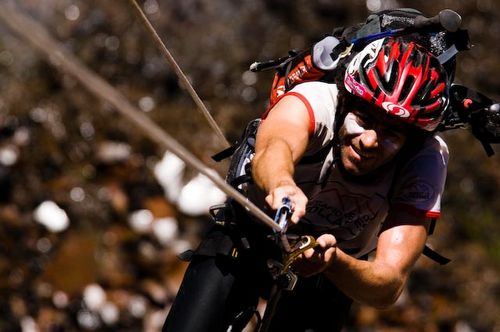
<point x="281" y="141"/>
<point x="379" y="282"/>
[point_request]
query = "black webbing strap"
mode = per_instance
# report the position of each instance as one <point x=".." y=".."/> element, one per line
<point x="226" y="153"/>
<point x="435" y="256"/>
<point x="431" y="253"/>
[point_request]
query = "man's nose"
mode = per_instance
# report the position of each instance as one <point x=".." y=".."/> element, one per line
<point x="369" y="139"/>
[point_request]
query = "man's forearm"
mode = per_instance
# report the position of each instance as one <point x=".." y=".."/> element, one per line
<point x="380" y="282"/>
<point x="272" y="169"/>
<point x="273" y="165"/>
<point x="371" y="283"/>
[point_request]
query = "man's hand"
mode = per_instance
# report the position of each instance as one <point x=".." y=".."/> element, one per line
<point x="297" y="199"/>
<point x="316" y="260"/>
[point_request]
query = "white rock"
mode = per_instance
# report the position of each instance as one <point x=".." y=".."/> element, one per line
<point x="110" y="314"/>
<point x="94" y="297"/>
<point x="137" y="306"/>
<point x="60" y="299"/>
<point x="51" y="216"/>
<point x="110" y="152"/>
<point x="169" y="172"/>
<point x="165" y="229"/>
<point x="9" y="155"/>
<point x="141" y="220"/>
<point x="198" y="195"/>
<point x="28" y="324"/>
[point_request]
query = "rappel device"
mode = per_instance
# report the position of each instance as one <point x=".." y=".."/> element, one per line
<point x="281" y="271"/>
<point x="291" y="247"/>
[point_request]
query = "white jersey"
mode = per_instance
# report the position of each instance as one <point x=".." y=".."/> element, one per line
<point x="354" y="209"/>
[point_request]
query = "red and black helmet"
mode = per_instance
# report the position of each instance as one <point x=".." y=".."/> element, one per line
<point x="402" y="78"/>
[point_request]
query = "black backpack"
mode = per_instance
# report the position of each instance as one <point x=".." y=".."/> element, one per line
<point x="326" y="59"/>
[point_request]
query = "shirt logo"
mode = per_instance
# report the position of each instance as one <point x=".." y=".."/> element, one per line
<point x="418" y="191"/>
<point x="396" y="109"/>
<point x="342" y="213"/>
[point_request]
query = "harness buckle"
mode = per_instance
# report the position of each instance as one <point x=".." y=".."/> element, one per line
<point x="218" y="214"/>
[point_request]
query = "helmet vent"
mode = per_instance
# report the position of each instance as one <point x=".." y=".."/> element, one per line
<point x="406" y="90"/>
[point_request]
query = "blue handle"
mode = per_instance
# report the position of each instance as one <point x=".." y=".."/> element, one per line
<point x="283" y="213"/>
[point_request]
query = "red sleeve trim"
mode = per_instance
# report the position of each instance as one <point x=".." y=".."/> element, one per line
<point x="312" y="120"/>
<point x="418" y="212"/>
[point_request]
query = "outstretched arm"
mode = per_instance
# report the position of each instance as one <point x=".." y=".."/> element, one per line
<point x="281" y="141"/>
<point x="378" y="282"/>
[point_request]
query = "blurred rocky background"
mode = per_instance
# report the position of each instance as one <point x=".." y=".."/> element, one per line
<point x="93" y="214"/>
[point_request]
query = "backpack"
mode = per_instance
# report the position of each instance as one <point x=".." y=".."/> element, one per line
<point x="325" y="61"/>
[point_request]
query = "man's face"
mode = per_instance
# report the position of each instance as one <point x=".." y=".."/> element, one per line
<point x="368" y="139"/>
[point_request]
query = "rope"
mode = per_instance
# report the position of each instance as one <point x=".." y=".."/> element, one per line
<point x="185" y="82"/>
<point x="63" y="60"/>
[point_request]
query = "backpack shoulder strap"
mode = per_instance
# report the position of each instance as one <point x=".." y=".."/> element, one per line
<point x="430" y="253"/>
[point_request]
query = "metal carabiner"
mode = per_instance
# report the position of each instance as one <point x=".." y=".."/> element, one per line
<point x="304" y="243"/>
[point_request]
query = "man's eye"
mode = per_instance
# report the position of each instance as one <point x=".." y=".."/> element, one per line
<point x="395" y="135"/>
<point x="362" y="119"/>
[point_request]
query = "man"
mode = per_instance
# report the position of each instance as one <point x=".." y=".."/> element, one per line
<point x="377" y="186"/>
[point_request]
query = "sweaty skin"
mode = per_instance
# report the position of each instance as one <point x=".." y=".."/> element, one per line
<point x="354" y="126"/>
<point x="367" y="142"/>
<point x="281" y="140"/>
